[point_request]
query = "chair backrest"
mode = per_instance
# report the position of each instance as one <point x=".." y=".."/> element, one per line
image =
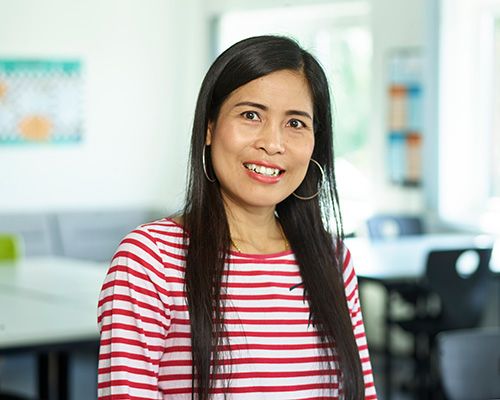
<point x="385" y="226"/>
<point x="10" y="247"/>
<point x="95" y="235"/>
<point x="35" y="230"/>
<point x="469" y="362"/>
<point x="461" y="278"/>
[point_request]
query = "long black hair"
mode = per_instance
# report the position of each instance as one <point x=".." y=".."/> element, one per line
<point x="313" y="227"/>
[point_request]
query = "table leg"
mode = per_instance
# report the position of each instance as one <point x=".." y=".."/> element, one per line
<point x="43" y="376"/>
<point x="55" y="366"/>
<point x="62" y="375"/>
<point x="387" y="348"/>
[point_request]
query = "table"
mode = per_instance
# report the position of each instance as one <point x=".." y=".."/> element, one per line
<point x="403" y="259"/>
<point x="49" y="305"/>
<point x="383" y="259"/>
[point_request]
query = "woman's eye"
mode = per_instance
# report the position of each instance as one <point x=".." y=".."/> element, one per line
<point x="251" y="115"/>
<point x="296" y="124"/>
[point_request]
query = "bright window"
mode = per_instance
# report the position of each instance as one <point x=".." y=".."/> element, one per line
<point x="495" y="148"/>
<point x="469" y="114"/>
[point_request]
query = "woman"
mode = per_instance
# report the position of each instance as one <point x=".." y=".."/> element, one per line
<point x="246" y="294"/>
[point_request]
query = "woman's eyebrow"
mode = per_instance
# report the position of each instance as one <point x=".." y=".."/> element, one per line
<point x="298" y="112"/>
<point x="265" y="108"/>
<point x="252" y="104"/>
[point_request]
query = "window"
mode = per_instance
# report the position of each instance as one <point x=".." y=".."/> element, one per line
<point x="469" y="121"/>
<point x="339" y="36"/>
<point x="495" y="148"/>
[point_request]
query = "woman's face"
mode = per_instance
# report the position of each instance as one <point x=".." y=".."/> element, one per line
<point x="263" y="139"/>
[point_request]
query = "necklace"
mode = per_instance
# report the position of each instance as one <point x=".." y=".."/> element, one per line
<point x="287" y="245"/>
<point x="233" y="243"/>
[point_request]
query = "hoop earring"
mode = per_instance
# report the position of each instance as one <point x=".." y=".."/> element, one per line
<point x="212" y="180"/>
<point x="320" y="186"/>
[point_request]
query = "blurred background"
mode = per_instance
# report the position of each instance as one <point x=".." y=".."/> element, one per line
<point x="96" y="107"/>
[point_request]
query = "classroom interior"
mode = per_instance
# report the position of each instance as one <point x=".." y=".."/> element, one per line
<point x="416" y="101"/>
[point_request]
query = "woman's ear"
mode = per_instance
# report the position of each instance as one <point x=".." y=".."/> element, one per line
<point x="208" y="138"/>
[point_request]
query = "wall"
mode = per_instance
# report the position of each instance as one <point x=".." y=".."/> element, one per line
<point x="136" y="66"/>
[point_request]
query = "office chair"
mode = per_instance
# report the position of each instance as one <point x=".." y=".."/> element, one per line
<point x="469" y="363"/>
<point x="95" y="235"/>
<point x="10" y="247"/>
<point x="389" y="226"/>
<point x="386" y="226"/>
<point x="37" y="231"/>
<point x="459" y="280"/>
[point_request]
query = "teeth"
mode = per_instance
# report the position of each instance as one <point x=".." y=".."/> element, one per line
<point x="260" y="169"/>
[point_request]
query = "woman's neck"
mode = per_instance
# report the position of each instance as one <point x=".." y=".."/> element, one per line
<point x="255" y="231"/>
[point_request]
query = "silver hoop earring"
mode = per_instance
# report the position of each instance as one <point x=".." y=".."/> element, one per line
<point x="320" y="186"/>
<point x="212" y="180"/>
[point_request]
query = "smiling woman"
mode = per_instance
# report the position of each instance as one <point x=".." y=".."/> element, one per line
<point x="261" y="144"/>
<point x="246" y="294"/>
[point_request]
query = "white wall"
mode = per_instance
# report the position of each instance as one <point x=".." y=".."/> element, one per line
<point x="137" y="63"/>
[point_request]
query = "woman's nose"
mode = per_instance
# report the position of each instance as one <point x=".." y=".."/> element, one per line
<point x="271" y="139"/>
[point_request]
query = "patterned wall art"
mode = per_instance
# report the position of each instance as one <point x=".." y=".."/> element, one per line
<point x="40" y="102"/>
<point x="405" y="117"/>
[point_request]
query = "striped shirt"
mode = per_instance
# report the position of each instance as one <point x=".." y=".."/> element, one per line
<point x="145" y="349"/>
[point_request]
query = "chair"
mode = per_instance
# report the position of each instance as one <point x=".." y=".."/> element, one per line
<point x="389" y="226"/>
<point x="386" y="226"/>
<point x="36" y="231"/>
<point x="452" y="295"/>
<point x="95" y="235"/>
<point x="10" y="247"/>
<point x="469" y="363"/>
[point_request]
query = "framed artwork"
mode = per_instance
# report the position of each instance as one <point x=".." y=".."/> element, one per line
<point x="405" y="117"/>
<point x="40" y="102"/>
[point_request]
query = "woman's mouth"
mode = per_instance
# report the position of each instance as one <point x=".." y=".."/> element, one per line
<point x="263" y="170"/>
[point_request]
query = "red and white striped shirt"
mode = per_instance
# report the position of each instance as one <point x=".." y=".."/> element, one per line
<point x="145" y="350"/>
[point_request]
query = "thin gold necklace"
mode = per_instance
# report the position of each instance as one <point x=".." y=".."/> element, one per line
<point x="287" y="245"/>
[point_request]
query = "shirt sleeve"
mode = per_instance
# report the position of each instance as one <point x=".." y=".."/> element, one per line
<point x="352" y="294"/>
<point x="133" y="320"/>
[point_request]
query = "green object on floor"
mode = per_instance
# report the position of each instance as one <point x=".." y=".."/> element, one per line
<point x="10" y="247"/>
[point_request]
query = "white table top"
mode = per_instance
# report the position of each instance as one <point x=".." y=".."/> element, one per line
<point x="404" y="257"/>
<point x="48" y="300"/>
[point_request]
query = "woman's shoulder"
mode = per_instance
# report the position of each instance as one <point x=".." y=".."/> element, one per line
<point x="164" y="229"/>
<point x="157" y="234"/>
<point x="152" y="245"/>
